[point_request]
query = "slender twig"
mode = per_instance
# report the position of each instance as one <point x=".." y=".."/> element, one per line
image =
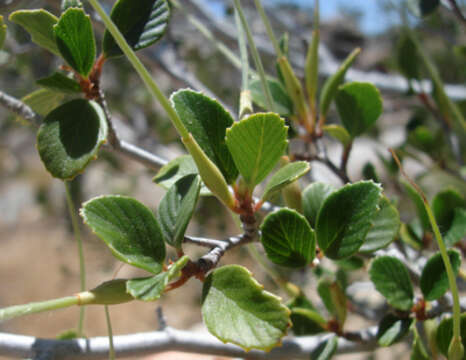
<point x="457" y="11"/>
<point x="345" y="157"/>
<point x="111" y="346"/>
<point x="209" y="243"/>
<point x="20" y="108"/>
<point x="82" y="266"/>
<point x="169" y="339"/>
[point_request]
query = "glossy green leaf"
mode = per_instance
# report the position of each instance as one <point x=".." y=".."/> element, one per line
<point x="177" y="208"/>
<point x="2" y="32"/>
<point x="236" y="309"/>
<point x="71" y="136"/>
<point x="282" y="103"/>
<point x="391" y="278"/>
<point x="359" y="105"/>
<point x="313" y="197"/>
<point x="443" y="206"/>
<point x="392" y="329"/>
<point x="141" y="22"/>
<point x="408" y="58"/>
<point x="307" y="322"/>
<point x="170" y="173"/>
<point x="326" y="349"/>
<point x="129" y="229"/>
<point x="75" y="40"/>
<point x="285" y="176"/>
<point x="457" y="230"/>
<point x="330" y="87"/>
<point x="334" y="299"/>
<point x="60" y="83"/>
<point x="418" y="351"/>
<point x="256" y="144"/>
<point x="346" y="217"/>
<point x="288" y="239"/>
<point x="422" y="7"/>
<point x="385" y="226"/>
<point x="39" y="24"/>
<point x="42" y="101"/>
<point x="207" y="121"/>
<point x="66" y="4"/>
<point x="338" y="132"/>
<point x="152" y="288"/>
<point x="434" y="280"/>
<point x="445" y="333"/>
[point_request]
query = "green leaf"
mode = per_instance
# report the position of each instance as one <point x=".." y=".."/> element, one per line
<point x="39" y="24"/>
<point x="392" y="329"/>
<point x="326" y="349"/>
<point x="351" y="264"/>
<point x="330" y="87"/>
<point x="71" y="136"/>
<point x="307" y="322"/>
<point x="334" y="299"/>
<point x="43" y="101"/>
<point x="2" y="32"/>
<point x="207" y="121"/>
<point x="256" y="144"/>
<point x="422" y="8"/>
<point x="346" y="217"/>
<point x="177" y="208"/>
<point x="152" y="288"/>
<point x="285" y="176"/>
<point x="418" y="351"/>
<point x="445" y="333"/>
<point x="236" y="309"/>
<point x="282" y="103"/>
<point x="370" y="173"/>
<point x="288" y="239"/>
<point x="141" y="22"/>
<point x="417" y="200"/>
<point x="60" y="83"/>
<point x="75" y="40"/>
<point x="129" y="229"/>
<point x="443" y="206"/>
<point x="385" y="226"/>
<point x="408" y="58"/>
<point x="359" y="105"/>
<point x="457" y="230"/>
<point x="434" y="280"/>
<point x="338" y="132"/>
<point x="66" y="4"/>
<point x="391" y="278"/>
<point x="170" y="173"/>
<point x="313" y="197"/>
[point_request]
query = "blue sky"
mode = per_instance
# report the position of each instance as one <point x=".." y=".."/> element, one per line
<point x="372" y="21"/>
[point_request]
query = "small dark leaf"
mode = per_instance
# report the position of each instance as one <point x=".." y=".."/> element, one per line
<point x="75" y="40"/>
<point x="434" y="280"/>
<point x="237" y="309"/>
<point x="445" y="333"/>
<point x="351" y="264"/>
<point x="152" y="288"/>
<point x="142" y="23"/>
<point x="391" y="278"/>
<point x="408" y="58"/>
<point x="392" y="329"/>
<point x="307" y="322"/>
<point x="370" y="173"/>
<point x="457" y="230"/>
<point x="313" y="198"/>
<point x="129" y="229"/>
<point x="326" y="349"/>
<point x="207" y="121"/>
<point x="443" y="206"/>
<point x="59" y="82"/>
<point x="70" y="137"/>
<point x="177" y="208"/>
<point x="288" y="239"/>
<point x="346" y="217"/>
<point x="422" y="8"/>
